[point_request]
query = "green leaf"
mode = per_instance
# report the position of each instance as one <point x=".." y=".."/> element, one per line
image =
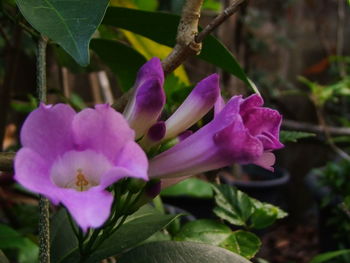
<point x="63" y="239"/>
<point x="141" y="226"/>
<point x="204" y="231"/>
<point x="243" y="243"/>
<point x="70" y="24"/>
<point x="239" y="209"/>
<point x="294" y="136"/>
<point x="123" y="60"/>
<point x="215" y="233"/>
<point x="11" y="239"/>
<point x="265" y="214"/>
<point x="190" y="187"/>
<point x="162" y="28"/>
<point x="233" y="205"/>
<point x="324" y="257"/>
<point x="180" y="252"/>
<point x="131" y="234"/>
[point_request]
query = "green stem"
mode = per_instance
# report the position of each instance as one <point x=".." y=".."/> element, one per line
<point x="44" y="204"/>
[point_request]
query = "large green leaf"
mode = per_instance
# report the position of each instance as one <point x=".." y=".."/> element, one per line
<point x="190" y="187"/>
<point x="63" y="239"/>
<point x="215" y="233"/>
<point x="70" y="23"/>
<point x="162" y="28"/>
<point x="123" y="60"/>
<point x="180" y="252"/>
<point x="11" y="239"/>
<point x="204" y="231"/>
<point x="141" y="226"/>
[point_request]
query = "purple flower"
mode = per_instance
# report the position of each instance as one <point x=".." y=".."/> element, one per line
<point x="71" y="158"/>
<point x="242" y="132"/>
<point x="144" y="109"/>
<point x="200" y="101"/>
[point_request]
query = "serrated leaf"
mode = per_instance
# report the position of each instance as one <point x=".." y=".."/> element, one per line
<point x="162" y="28"/>
<point x="239" y="209"/>
<point x="243" y="243"/>
<point x="180" y="252"/>
<point x="233" y="205"/>
<point x="294" y="136"/>
<point x="70" y="24"/>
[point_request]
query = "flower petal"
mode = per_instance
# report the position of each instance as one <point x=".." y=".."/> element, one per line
<point x="103" y="130"/>
<point x="196" y="105"/>
<point x="89" y="208"/>
<point x="32" y="172"/>
<point x="145" y="107"/>
<point x="154" y="135"/>
<point x="219" y="105"/>
<point x="133" y="158"/>
<point x="252" y="101"/>
<point x="266" y="160"/>
<point x="259" y="120"/>
<point x="48" y="131"/>
<point x="237" y="144"/>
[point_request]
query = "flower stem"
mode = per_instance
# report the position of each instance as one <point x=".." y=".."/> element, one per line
<point x="44" y="204"/>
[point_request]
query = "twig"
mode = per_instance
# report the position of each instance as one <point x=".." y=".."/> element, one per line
<point x="217" y="21"/>
<point x="105" y="87"/>
<point x="6" y="161"/>
<point x="340" y="36"/>
<point x="308" y="127"/>
<point x="44" y="204"/>
<point x="187" y="42"/>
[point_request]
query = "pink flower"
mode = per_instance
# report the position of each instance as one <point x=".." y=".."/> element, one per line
<point x="242" y="132"/>
<point x="71" y="158"/>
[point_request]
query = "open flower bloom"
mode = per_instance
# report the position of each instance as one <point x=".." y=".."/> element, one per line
<point x="147" y="103"/>
<point x="242" y="132"/>
<point x="72" y="157"/>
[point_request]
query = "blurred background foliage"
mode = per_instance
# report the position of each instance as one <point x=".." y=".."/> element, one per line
<point x="297" y="52"/>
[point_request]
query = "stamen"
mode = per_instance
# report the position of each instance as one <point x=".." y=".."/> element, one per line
<point x="81" y="180"/>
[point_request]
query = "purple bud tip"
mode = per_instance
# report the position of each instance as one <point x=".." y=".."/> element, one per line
<point x="153" y="189"/>
<point x="150" y="95"/>
<point x="182" y="136"/>
<point x="157" y="131"/>
<point x="152" y="68"/>
<point x="208" y="88"/>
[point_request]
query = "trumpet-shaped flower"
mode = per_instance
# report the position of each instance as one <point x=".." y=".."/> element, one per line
<point x="145" y="107"/>
<point x="242" y="132"/>
<point x="71" y="158"/>
<point x="200" y="101"/>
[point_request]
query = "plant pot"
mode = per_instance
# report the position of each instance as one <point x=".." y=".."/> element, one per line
<point x="264" y="185"/>
<point x="198" y="207"/>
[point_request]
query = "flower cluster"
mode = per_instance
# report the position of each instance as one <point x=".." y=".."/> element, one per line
<point x="72" y="158"/>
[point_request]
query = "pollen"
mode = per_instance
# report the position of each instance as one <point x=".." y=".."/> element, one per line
<point x="81" y="182"/>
